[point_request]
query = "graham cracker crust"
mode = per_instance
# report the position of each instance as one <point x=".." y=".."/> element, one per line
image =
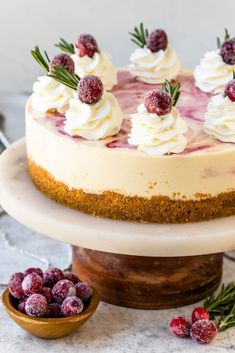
<point x="157" y="209"/>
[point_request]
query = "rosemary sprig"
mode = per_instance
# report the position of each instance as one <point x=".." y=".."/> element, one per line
<point x="226" y="37"/>
<point x="44" y="63"/>
<point x="65" y="46"/>
<point x="222" y="307"/>
<point x="59" y="73"/>
<point x="139" y="35"/>
<point x="173" y="90"/>
<point x="62" y="75"/>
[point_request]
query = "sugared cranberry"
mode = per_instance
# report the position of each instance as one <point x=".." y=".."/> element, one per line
<point x="32" y="283"/>
<point x="62" y="60"/>
<point x="51" y="276"/>
<point x="63" y="289"/>
<point x="21" y="306"/>
<point x="227" y="51"/>
<point x="157" y="40"/>
<point x="83" y="291"/>
<point x="230" y="90"/>
<point x="86" y="45"/>
<point x="71" y="276"/>
<point x="53" y="310"/>
<point x="36" y="305"/>
<point x="180" y="327"/>
<point x="158" y="102"/>
<point x="72" y="306"/>
<point x="199" y="313"/>
<point x="47" y="293"/>
<point x="90" y="89"/>
<point x="203" y="331"/>
<point x="33" y="269"/>
<point x="15" y="285"/>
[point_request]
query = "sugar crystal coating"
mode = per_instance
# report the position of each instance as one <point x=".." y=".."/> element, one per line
<point x="180" y="327"/>
<point x="63" y="289"/>
<point x="15" y="285"/>
<point x="72" y="306"/>
<point x="51" y="276"/>
<point x="47" y="293"/>
<point x="158" y="102"/>
<point x="36" y="305"/>
<point x="83" y="291"/>
<point x="90" y="89"/>
<point x="157" y="40"/>
<point x="227" y="51"/>
<point x="62" y="60"/>
<point x="203" y="331"/>
<point x="33" y="269"/>
<point x="86" y="45"/>
<point x="32" y="283"/>
<point x="71" y="276"/>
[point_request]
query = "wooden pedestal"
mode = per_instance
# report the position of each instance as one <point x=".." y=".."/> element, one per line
<point x="148" y="282"/>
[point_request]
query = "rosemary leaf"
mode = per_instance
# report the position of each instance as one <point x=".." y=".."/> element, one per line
<point x="139" y="35"/>
<point x="65" y="46"/>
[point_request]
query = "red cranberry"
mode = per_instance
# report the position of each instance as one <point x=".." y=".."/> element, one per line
<point x="33" y="269"/>
<point x="230" y="90"/>
<point x="21" y="306"/>
<point x="90" y="89"/>
<point x="51" y="276"/>
<point x="227" y="51"/>
<point x="15" y="285"/>
<point x="36" y="305"/>
<point x="63" y="289"/>
<point x="62" y="60"/>
<point x="47" y="293"/>
<point x="199" y="314"/>
<point x="86" y="45"/>
<point x="158" y="102"/>
<point x="83" y="291"/>
<point x="32" y="283"/>
<point x="71" y="306"/>
<point x="203" y="331"/>
<point x="53" y="310"/>
<point x="180" y="327"/>
<point x="157" y="40"/>
<point x="71" y="276"/>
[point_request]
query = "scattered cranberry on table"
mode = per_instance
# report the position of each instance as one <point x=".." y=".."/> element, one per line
<point x="202" y="330"/>
<point x="200" y="313"/>
<point x="53" y="293"/>
<point x="180" y="327"/>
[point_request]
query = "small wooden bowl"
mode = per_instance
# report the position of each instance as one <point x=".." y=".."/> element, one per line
<point x="50" y="327"/>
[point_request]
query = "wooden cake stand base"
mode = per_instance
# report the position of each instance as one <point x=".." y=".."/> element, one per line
<point x="148" y="282"/>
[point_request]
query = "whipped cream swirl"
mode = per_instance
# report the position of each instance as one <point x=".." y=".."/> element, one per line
<point x="158" y="135"/>
<point x="213" y="73"/>
<point x="152" y="67"/>
<point x="220" y="118"/>
<point x="100" y="65"/>
<point x="94" y="121"/>
<point x="49" y="94"/>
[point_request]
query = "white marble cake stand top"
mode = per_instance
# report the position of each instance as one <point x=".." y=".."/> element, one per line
<point x="20" y="198"/>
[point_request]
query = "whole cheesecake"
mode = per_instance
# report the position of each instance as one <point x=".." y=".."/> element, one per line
<point x="111" y="178"/>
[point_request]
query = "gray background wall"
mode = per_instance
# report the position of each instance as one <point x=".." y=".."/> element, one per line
<point x="192" y="27"/>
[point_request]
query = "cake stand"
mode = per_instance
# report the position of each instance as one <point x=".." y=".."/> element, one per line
<point x="136" y="265"/>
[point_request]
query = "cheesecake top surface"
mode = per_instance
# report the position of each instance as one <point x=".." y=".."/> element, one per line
<point x="130" y="93"/>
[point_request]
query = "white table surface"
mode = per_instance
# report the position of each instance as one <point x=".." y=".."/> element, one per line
<point x="112" y="329"/>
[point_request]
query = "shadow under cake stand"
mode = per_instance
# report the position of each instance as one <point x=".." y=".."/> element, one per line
<point x="149" y="266"/>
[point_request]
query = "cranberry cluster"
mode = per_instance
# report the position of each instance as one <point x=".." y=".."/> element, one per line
<point x="53" y="293"/>
<point x="202" y="330"/>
